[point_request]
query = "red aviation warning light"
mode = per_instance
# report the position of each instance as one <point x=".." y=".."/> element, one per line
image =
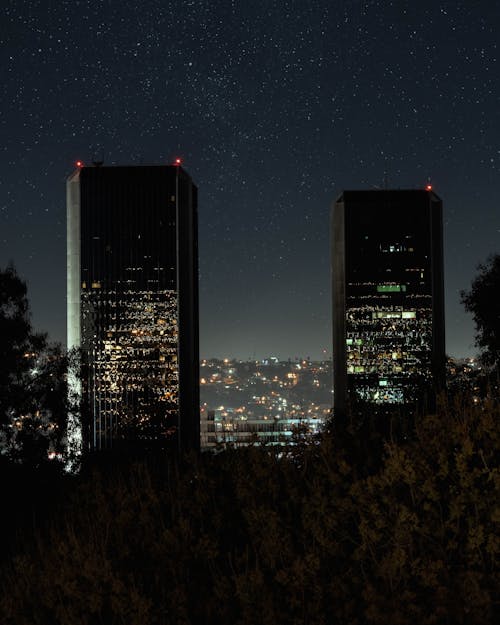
<point x="428" y="187"/>
<point x="79" y="164"/>
<point x="178" y="161"/>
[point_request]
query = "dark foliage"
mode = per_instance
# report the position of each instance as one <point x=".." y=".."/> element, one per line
<point x="30" y="498"/>
<point x="17" y="342"/>
<point x="33" y="389"/>
<point x="483" y="302"/>
<point x="257" y="535"/>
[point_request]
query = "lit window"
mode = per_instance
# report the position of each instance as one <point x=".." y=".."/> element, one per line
<point x="391" y="288"/>
<point x="408" y="314"/>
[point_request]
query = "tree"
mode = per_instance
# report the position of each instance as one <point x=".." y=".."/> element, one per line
<point x="33" y="390"/>
<point x="483" y="302"/>
<point x="17" y="342"/>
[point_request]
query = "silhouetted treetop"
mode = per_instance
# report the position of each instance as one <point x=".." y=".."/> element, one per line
<point x="33" y="390"/>
<point x="483" y="301"/>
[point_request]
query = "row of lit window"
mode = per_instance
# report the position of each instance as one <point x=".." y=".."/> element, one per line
<point x="380" y="296"/>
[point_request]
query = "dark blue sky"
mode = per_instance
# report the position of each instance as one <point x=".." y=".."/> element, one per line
<point x="275" y="108"/>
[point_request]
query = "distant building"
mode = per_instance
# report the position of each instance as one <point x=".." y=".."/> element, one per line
<point x="388" y="301"/>
<point x="133" y="304"/>
<point x="226" y="426"/>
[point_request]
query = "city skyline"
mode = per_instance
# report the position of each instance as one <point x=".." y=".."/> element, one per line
<point x="275" y="109"/>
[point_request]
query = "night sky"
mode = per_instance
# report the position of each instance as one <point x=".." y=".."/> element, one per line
<point x="275" y="107"/>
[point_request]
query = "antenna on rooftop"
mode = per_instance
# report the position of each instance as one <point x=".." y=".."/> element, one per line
<point x="98" y="162"/>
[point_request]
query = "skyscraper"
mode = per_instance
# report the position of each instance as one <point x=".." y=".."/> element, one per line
<point x="388" y="302"/>
<point x="133" y="304"/>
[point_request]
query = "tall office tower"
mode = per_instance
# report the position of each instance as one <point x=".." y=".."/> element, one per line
<point x="388" y="301"/>
<point x="133" y="304"/>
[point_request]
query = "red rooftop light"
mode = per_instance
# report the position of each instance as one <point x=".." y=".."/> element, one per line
<point x="79" y="163"/>
<point x="178" y="161"/>
<point x="428" y="187"/>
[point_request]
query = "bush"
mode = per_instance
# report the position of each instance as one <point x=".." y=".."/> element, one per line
<point x="257" y="536"/>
